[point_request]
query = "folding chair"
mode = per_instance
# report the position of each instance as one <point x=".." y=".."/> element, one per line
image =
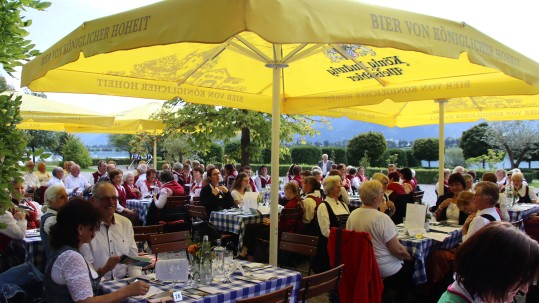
<point x="299" y="244"/>
<point x="315" y="285"/>
<point x="278" y="296"/>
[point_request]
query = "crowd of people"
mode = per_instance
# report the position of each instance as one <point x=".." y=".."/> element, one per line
<point x="83" y="251"/>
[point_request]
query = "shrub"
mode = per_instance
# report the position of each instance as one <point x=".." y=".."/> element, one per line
<point x="305" y="154"/>
<point x="75" y="151"/>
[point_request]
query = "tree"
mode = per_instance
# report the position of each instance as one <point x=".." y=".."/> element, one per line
<point x="533" y="154"/>
<point x="15" y="48"/>
<point x="176" y="148"/>
<point x="206" y="124"/>
<point x="75" y="151"/>
<point x="473" y="142"/>
<point x="37" y="139"/>
<point x="492" y="158"/>
<point x="4" y="85"/>
<point x="215" y="154"/>
<point x="426" y="149"/>
<point x="370" y="144"/>
<point x="454" y="157"/>
<point x="122" y="142"/>
<point x="516" y="138"/>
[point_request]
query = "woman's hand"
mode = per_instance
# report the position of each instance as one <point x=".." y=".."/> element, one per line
<point x="466" y="224"/>
<point x="446" y="203"/>
<point x="137" y="289"/>
<point x="266" y="221"/>
<point x="223" y="188"/>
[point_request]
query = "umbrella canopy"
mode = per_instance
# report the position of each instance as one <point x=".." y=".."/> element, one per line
<point x="240" y="53"/>
<point x="425" y="112"/>
<point x="43" y="114"/>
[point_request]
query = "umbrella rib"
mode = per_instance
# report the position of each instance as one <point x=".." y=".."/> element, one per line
<point x="247" y="52"/>
<point x="254" y="49"/>
<point x="475" y="103"/>
<point x="295" y="51"/>
<point x="216" y="51"/>
<point x="343" y="53"/>
<point x="308" y="52"/>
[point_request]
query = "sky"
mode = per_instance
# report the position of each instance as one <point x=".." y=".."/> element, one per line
<point x="512" y="23"/>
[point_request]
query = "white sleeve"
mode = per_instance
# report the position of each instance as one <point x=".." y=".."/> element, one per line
<point x="48" y="224"/>
<point x="163" y="196"/>
<point x="15" y="229"/>
<point x="531" y="194"/>
<point x="323" y="219"/>
<point x="132" y="271"/>
<point x="258" y="183"/>
<point x="143" y="189"/>
<point x="344" y="195"/>
<point x="235" y="195"/>
<point x="73" y="272"/>
<point x="477" y="223"/>
<point x="308" y="210"/>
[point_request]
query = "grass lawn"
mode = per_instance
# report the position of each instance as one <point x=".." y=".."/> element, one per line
<point x="535" y="183"/>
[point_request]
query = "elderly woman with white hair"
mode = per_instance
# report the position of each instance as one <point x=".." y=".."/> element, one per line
<point x="522" y="192"/>
<point x="332" y="212"/>
<point x="388" y="251"/>
<point x="131" y="190"/>
<point x="55" y="197"/>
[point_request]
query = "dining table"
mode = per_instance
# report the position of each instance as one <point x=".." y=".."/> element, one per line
<point x="141" y="206"/>
<point x="420" y="246"/>
<point x="32" y="246"/>
<point x="234" y="221"/>
<point x="258" y="280"/>
<point x="522" y="211"/>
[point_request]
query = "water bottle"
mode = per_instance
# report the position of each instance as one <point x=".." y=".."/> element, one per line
<point x="205" y="262"/>
<point x="219" y="262"/>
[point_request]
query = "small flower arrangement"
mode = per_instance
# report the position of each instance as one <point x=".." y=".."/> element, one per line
<point x="200" y="251"/>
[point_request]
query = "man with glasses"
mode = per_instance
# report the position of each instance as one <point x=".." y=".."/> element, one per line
<point x="114" y="238"/>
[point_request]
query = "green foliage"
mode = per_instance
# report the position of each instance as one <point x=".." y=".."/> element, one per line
<point x="207" y="124"/>
<point x="176" y="149"/>
<point x="215" y="154"/>
<point x="4" y="85"/>
<point x="492" y="158"/>
<point x="285" y="158"/>
<point x="121" y="142"/>
<point x="12" y="146"/>
<point x="473" y="142"/>
<point x="337" y="154"/>
<point x="15" y="48"/>
<point x="454" y="157"/>
<point x="371" y="144"/>
<point x="39" y="139"/>
<point x="426" y="149"/>
<point x="232" y="151"/>
<point x="396" y="156"/>
<point x="75" y="151"/>
<point x="307" y="154"/>
<point x="60" y="141"/>
<point x="411" y="161"/>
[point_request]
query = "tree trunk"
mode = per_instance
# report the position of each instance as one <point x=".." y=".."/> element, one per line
<point x="245" y="146"/>
<point x="33" y="154"/>
<point x="483" y="163"/>
<point x="429" y="163"/>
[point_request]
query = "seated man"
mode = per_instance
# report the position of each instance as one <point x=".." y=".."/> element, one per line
<point x="15" y="228"/>
<point x="76" y="183"/>
<point x="485" y="199"/>
<point x="101" y="171"/>
<point x="30" y="178"/>
<point x="114" y="238"/>
<point x="105" y="178"/>
<point x="57" y="176"/>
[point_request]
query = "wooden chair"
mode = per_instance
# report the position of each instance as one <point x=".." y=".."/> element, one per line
<point x="315" y="285"/>
<point x="161" y="243"/>
<point x="196" y="201"/>
<point x="299" y="244"/>
<point x="417" y="196"/>
<point x="278" y="296"/>
<point x="143" y="233"/>
<point x="199" y="216"/>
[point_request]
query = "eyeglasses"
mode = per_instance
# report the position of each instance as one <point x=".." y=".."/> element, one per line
<point x="113" y="198"/>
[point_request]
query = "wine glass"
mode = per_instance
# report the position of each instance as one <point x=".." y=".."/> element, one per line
<point x="192" y="272"/>
<point x="229" y="265"/>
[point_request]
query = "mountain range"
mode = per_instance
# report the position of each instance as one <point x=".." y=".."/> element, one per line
<point x="343" y="129"/>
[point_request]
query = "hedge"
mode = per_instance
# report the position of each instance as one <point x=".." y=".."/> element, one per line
<point x="336" y="154"/>
<point x="305" y="154"/>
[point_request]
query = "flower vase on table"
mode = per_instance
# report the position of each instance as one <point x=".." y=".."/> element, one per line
<point x="202" y="261"/>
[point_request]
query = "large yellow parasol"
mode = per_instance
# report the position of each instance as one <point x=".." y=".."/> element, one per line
<point x="280" y="56"/>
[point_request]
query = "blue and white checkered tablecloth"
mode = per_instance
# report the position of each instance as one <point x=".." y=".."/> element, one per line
<point x="355" y="202"/>
<point x="34" y="252"/>
<point x="522" y="211"/>
<point x="420" y="249"/>
<point x="232" y="291"/>
<point x="233" y="222"/>
<point x="141" y="206"/>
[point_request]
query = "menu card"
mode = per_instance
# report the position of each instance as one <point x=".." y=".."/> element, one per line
<point x="415" y="218"/>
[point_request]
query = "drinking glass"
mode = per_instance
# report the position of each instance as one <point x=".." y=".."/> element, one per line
<point x="193" y="271"/>
<point x="229" y="265"/>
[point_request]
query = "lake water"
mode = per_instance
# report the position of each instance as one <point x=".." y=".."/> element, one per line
<point x="109" y="154"/>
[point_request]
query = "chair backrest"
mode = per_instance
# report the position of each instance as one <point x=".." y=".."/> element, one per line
<point x="143" y="233"/>
<point x="319" y="284"/>
<point x="290" y="214"/>
<point x="278" y="296"/>
<point x="198" y="212"/>
<point x="161" y="243"/>
<point x="178" y="198"/>
<point x="418" y="195"/>
<point x="298" y="243"/>
<point x="196" y="201"/>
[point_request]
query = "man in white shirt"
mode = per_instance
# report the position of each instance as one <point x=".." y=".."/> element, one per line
<point x="57" y="176"/>
<point x="30" y="178"/>
<point x="142" y="169"/>
<point x="15" y="228"/>
<point x="485" y="199"/>
<point x="76" y="183"/>
<point x="114" y="238"/>
<point x="325" y="165"/>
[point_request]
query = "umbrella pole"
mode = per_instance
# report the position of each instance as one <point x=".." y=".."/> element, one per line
<point x="155" y="151"/>
<point x="441" y="146"/>
<point x="277" y="67"/>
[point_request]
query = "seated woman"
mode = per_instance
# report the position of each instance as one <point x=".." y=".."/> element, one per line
<point x="523" y="193"/>
<point x="394" y="188"/>
<point x="386" y="206"/>
<point x="332" y="212"/>
<point x="42" y="173"/>
<point x="446" y="206"/>
<point x="239" y="187"/>
<point x="68" y="276"/>
<point x="344" y="194"/>
<point x="173" y="188"/>
<point x="14" y="229"/>
<point x="28" y="207"/>
<point x="214" y="196"/>
<point x="55" y="197"/>
<point x="312" y="198"/>
<point x="407" y="180"/>
<point x="388" y="251"/>
<point x="131" y="190"/>
<point x="115" y="177"/>
<point x="198" y="183"/>
<point x="262" y="230"/>
<point x="150" y="183"/>
<point x="466" y="204"/>
<point x="477" y="280"/>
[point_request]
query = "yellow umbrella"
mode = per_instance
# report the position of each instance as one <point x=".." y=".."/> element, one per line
<point x="239" y="53"/>
<point x="425" y="112"/>
<point x="43" y="114"/>
<point x="132" y="121"/>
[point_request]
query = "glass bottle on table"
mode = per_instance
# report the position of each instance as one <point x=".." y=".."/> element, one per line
<point x="218" y="261"/>
<point x="509" y="197"/>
